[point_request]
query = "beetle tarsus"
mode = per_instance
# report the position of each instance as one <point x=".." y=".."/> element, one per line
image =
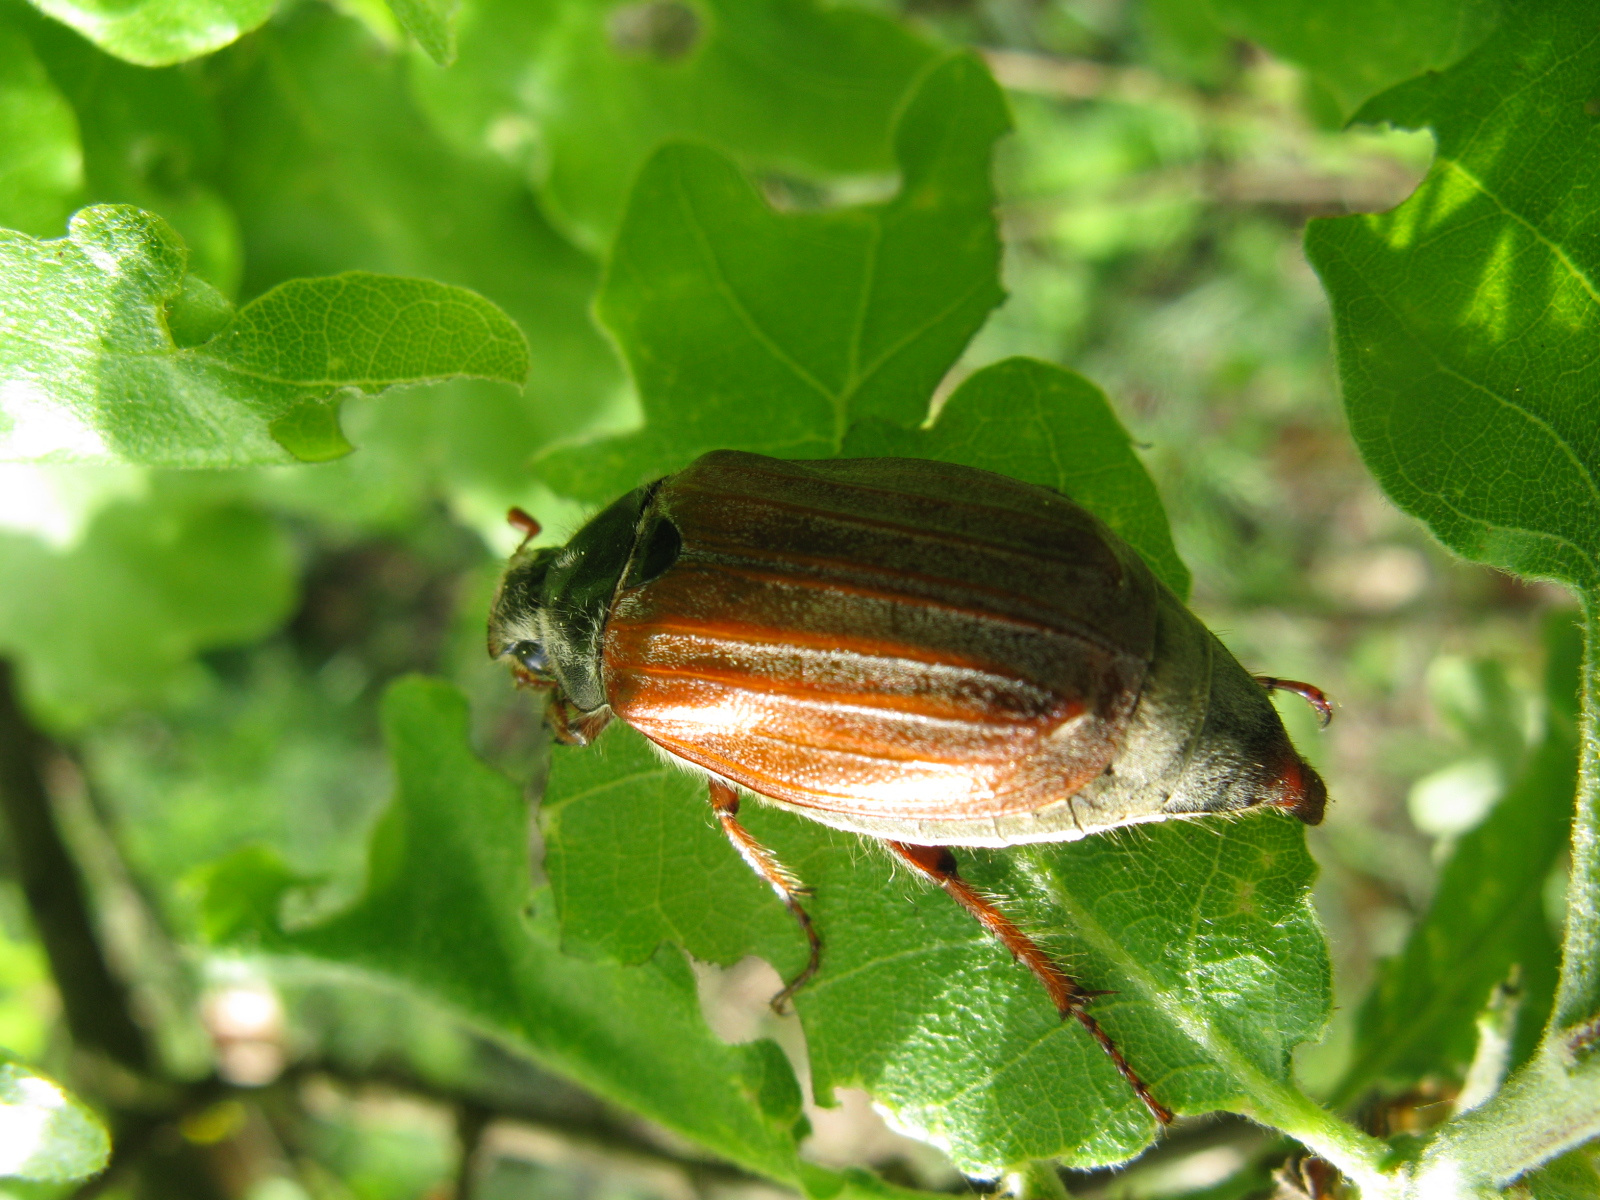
<point x="938" y="865"/>
<point x="1309" y="692"/>
<point x="569" y="725"/>
<point x="725" y="803"/>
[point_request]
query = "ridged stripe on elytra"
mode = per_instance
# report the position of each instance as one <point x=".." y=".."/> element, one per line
<point x="1032" y="593"/>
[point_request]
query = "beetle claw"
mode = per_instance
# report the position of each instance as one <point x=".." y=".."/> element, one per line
<point x="1310" y="693"/>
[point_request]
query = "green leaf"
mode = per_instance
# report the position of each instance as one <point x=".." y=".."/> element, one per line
<point x="1573" y="1176"/>
<point x="46" y="1136"/>
<point x="41" y="162"/>
<point x="156" y="33"/>
<point x="117" y="619"/>
<point x="404" y="201"/>
<point x="1203" y="931"/>
<point x="449" y="909"/>
<point x="89" y="369"/>
<point x="753" y="329"/>
<point x="1358" y="48"/>
<point x="150" y="139"/>
<point x="1465" y="317"/>
<point x="1041" y="423"/>
<point x="1465" y="321"/>
<point x="432" y="23"/>
<point x="1487" y="914"/>
<point x="786" y="85"/>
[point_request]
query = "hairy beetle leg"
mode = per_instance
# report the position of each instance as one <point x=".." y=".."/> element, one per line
<point x="725" y="803"/>
<point x="1310" y="693"/>
<point x="938" y="864"/>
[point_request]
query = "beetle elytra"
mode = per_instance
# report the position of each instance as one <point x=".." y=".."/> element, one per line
<point x="923" y="653"/>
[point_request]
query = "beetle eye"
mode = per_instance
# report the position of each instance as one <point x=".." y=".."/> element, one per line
<point x="532" y="656"/>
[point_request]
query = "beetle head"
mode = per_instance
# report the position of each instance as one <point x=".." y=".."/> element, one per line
<point x="549" y="616"/>
<point x="516" y="619"/>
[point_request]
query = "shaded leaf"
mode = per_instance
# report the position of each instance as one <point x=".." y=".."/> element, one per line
<point x="46" y="1136"/>
<point x="156" y="33"/>
<point x="751" y="329"/>
<point x="787" y="85"/>
<point x="116" y="619"/>
<point x="1358" y="48"/>
<point x="403" y="201"/>
<point x="1487" y="914"/>
<point x="1041" y="423"/>
<point x="89" y="369"/>
<point x="449" y="909"/>
<point x="432" y="23"/>
<point x="1203" y="930"/>
<point x="150" y="139"/>
<point x="41" y="162"/>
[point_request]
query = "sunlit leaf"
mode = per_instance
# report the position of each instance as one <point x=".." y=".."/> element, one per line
<point x="155" y="33"/>
<point x="1203" y="931"/>
<point x="46" y="1135"/>
<point x="1465" y="318"/>
<point x="1358" y="48"/>
<point x="89" y="369"/>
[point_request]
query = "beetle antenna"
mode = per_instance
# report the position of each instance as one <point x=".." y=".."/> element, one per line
<point x="1310" y="693"/>
<point x="522" y="521"/>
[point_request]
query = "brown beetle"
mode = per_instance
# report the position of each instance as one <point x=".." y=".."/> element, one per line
<point x="924" y="653"/>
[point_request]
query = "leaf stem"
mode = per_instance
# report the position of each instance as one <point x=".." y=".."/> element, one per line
<point x="1359" y="1156"/>
<point x="1578" y="997"/>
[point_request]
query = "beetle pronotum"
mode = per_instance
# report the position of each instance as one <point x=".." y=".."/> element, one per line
<point x="926" y="654"/>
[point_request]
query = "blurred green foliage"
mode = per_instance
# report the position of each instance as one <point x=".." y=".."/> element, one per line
<point x="674" y="225"/>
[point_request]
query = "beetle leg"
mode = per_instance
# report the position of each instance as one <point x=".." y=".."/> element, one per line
<point x="725" y="803"/>
<point x="572" y="727"/>
<point x="1310" y="693"/>
<point x="938" y="865"/>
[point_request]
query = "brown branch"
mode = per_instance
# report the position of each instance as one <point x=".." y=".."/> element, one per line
<point x="95" y="1000"/>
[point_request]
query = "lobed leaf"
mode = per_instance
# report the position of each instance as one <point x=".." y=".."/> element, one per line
<point x="786" y="85"/>
<point x="1038" y="422"/>
<point x="747" y="328"/>
<point x="1203" y="930"/>
<point x="41" y="161"/>
<point x="1359" y="48"/>
<point x="90" y="370"/>
<point x="46" y="1135"/>
<point x="1465" y="317"/>
<point x="157" y="33"/>
<point x="449" y="909"/>
<point x="1465" y="321"/>
<point x="405" y="201"/>
<point x="149" y="137"/>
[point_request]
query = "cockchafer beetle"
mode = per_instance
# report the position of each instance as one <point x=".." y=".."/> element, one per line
<point x="923" y="653"/>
